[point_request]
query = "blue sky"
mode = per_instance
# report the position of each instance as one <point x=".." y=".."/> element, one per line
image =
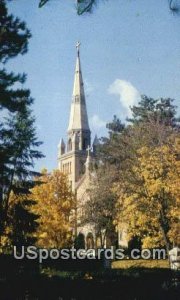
<point x="128" y="48"/>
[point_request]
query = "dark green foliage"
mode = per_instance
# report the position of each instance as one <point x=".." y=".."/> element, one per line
<point x="108" y="145"/>
<point x="42" y="3"/>
<point x="158" y="110"/>
<point x="134" y="243"/>
<point x="18" y="141"/>
<point x="79" y="242"/>
<point x="130" y="283"/>
<point x="174" y="6"/>
<point x="82" y="6"/>
<point x="22" y="224"/>
<point x="13" y="99"/>
<point x="115" y="126"/>
<point x="86" y="6"/>
<point x="18" y="147"/>
<point x="152" y="121"/>
<point x="13" y="35"/>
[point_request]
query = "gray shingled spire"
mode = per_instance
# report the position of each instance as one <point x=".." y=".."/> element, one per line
<point x="78" y="115"/>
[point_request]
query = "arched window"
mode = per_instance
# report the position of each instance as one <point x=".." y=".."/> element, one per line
<point x="69" y="145"/>
<point x="89" y="241"/>
<point x="62" y="149"/>
<point x="77" y="142"/>
<point x="85" y="143"/>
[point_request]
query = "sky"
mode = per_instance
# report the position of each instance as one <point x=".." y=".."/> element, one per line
<point x="128" y="48"/>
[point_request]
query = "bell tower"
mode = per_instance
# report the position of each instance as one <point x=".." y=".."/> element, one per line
<point x="73" y="155"/>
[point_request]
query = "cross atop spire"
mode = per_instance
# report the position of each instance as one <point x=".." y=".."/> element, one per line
<point x="88" y="150"/>
<point x="78" y="44"/>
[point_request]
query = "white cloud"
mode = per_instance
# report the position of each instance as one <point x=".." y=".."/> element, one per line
<point x="128" y="94"/>
<point x="88" y="87"/>
<point x="96" y="122"/>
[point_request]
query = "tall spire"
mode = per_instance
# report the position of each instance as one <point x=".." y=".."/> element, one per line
<point x="78" y="115"/>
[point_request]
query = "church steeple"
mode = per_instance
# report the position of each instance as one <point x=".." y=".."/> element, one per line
<point x="78" y="116"/>
<point x="73" y="155"/>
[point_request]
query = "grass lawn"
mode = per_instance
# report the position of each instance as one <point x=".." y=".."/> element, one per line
<point x="140" y="263"/>
<point x="119" y="267"/>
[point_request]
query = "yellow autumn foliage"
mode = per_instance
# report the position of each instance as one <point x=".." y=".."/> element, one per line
<point x="54" y="205"/>
<point x="149" y="199"/>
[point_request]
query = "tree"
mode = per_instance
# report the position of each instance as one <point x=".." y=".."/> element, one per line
<point x="107" y="148"/>
<point x="174" y="6"/>
<point x="152" y="126"/>
<point x="19" y="148"/>
<point x="21" y="223"/>
<point x="14" y="35"/>
<point x="55" y="205"/>
<point x="18" y="142"/>
<point x="84" y="6"/>
<point x="81" y="5"/>
<point x="152" y="121"/>
<point x="100" y="207"/>
<point x="161" y="111"/>
<point x="150" y="200"/>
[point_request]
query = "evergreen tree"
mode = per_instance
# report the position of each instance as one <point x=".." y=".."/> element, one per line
<point x="107" y="149"/>
<point x="14" y="35"/>
<point x="18" y="142"/>
<point x="152" y="121"/>
<point x="21" y="223"/>
<point x="161" y="111"/>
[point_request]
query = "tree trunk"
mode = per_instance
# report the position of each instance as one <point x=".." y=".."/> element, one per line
<point x="163" y="225"/>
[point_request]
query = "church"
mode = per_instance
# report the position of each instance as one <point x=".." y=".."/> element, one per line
<point x="77" y="155"/>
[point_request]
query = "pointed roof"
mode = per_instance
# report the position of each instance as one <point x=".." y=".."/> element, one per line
<point x="61" y="143"/>
<point x="78" y="115"/>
